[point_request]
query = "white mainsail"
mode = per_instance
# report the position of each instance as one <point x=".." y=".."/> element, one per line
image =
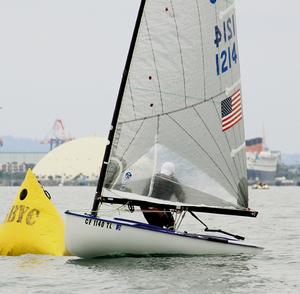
<point x="182" y="103"/>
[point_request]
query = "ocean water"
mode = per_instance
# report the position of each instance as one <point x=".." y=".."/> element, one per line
<point x="275" y="270"/>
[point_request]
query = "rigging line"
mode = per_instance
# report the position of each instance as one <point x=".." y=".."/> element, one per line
<point x="202" y="45"/>
<point x="181" y="55"/>
<point x="181" y="217"/>
<point x="131" y="96"/>
<point x="198" y="219"/>
<point x="155" y="64"/>
<point x="173" y="111"/>
<point x="133" y="138"/>
<point x="228" y="144"/>
<point x="215" y="141"/>
<point x="215" y="231"/>
<point x="205" y="152"/>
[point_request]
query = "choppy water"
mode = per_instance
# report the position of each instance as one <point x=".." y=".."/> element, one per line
<point x="275" y="270"/>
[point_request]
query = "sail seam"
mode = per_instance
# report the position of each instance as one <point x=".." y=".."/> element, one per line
<point x="173" y="111"/>
<point x="202" y="46"/>
<point x="155" y="64"/>
<point x="205" y="152"/>
<point x="133" y="138"/>
<point x="181" y="53"/>
<point x="130" y="90"/>
<point x="215" y="141"/>
<point x="170" y="93"/>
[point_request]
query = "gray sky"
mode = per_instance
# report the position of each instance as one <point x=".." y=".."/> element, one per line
<point x="64" y="59"/>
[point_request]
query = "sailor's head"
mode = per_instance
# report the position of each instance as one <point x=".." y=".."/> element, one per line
<point x="168" y="169"/>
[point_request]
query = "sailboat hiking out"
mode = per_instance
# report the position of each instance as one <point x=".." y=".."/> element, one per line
<point x="176" y="145"/>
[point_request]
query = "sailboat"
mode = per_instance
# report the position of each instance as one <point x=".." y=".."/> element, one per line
<point x="180" y="106"/>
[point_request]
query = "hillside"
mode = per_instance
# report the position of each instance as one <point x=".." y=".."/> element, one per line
<point x="291" y="159"/>
<point x="13" y="144"/>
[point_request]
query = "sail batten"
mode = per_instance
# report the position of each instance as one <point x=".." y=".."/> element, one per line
<point x="173" y="111"/>
<point x="182" y="105"/>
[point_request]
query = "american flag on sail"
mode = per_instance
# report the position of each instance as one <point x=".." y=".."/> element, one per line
<point x="231" y="109"/>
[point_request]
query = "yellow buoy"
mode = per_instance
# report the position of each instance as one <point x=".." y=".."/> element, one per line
<point x="33" y="224"/>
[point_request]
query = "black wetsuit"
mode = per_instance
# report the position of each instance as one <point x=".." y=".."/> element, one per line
<point x="163" y="188"/>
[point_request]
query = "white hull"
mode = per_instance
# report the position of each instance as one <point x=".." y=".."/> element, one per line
<point x="264" y="162"/>
<point x="89" y="237"/>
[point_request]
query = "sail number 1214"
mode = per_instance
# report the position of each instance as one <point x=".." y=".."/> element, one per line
<point x="223" y="35"/>
<point x="225" y="59"/>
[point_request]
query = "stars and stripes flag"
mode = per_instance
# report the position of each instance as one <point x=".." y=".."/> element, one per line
<point x="231" y="109"/>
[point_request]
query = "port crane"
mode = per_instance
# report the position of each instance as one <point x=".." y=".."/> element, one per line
<point x="57" y="135"/>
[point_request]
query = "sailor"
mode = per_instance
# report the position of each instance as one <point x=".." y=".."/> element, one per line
<point x="165" y="185"/>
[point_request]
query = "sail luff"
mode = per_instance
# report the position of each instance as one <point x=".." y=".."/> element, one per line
<point x="117" y="108"/>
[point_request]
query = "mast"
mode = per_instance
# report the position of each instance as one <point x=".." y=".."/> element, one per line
<point x="117" y="109"/>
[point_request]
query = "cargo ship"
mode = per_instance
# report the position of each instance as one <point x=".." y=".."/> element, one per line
<point x="261" y="162"/>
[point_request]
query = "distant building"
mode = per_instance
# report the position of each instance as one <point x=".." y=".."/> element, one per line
<point x="13" y="167"/>
<point x="13" y="163"/>
<point x="19" y="158"/>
